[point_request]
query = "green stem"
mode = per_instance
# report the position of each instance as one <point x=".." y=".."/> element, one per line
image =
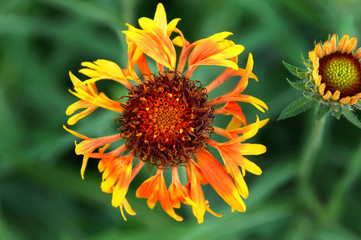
<point x="309" y="154"/>
<point x="339" y="193"/>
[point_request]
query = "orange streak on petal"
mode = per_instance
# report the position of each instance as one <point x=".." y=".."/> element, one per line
<point x="177" y="192"/>
<point x="155" y="189"/>
<point x="89" y="145"/>
<point x="165" y="201"/>
<point x="219" y="179"/>
<point x="124" y="179"/>
<point x="235" y="110"/>
<point x="234" y="153"/>
<point x="196" y="192"/>
<point x="237" y="176"/>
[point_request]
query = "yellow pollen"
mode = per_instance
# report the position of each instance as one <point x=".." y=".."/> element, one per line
<point x="170" y="95"/>
<point x="192" y="129"/>
<point x="177" y="99"/>
<point x="181" y="130"/>
<point x="147" y="109"/>
<point x="155" y="136"/>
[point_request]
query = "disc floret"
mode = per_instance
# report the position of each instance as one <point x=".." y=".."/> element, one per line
<point x="166" y="119"/>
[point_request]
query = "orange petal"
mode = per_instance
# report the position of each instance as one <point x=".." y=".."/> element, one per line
<point x="123" y="176"/>
<point x="231" y="155"/>
<point x="209" y="51"/>
<point x="160" y="17"/>
<point x="235" y="110"/>
<point x="242" y="84"/>
<point x="321" y="89"/>
<point x="76" y="134"/>
<point x="89" y="145"/>
<point x="247" y="128"/>
<point x="89" y="108"/>
<point x="343" y="43"/>
<point x="83" y="166"/>
<point x="235" y="123"/>
<point x="218" y="178"/>
<point x="127" y="208"/>
<point x="353" y="100"/>
<point x="154" y="189"/>
<point x="257" y="103"/>
<point x="154" y="42"/>
<point x="345" y="100"/>
<point x="327" y="48"/>
<point x="91" y="95"/>
<point x="177" y="192"/>
<point x="248" y="132"/>
<point x="172" y="25"/>
<point x="165" y="201"/>
<point x="318" y="51"/>
<point x="327" y="96"/>
<point x="351" y="45"/>
<point x="228" y="73"/>
<point x="103" y="69"/>
<point x="196" y="193"/>
<point x="237" y="176"/>
<point x="333" y="43"/>
<point x="358" y="54"/>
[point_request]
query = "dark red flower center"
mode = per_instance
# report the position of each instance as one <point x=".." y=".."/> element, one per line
<point x="341" y="71"/>
<point x="166" y="119"/>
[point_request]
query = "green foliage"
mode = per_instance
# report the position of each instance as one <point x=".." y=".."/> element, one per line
<point x="298" y="72"/>
<point x="298" y="85"/>
<point x="321" y="111"/>
<point x="351" y="117"/>
<point x="298" y="106"/>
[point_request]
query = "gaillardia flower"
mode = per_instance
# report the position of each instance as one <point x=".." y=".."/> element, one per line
<point x="166" y="120"/>
<point x="333" y="77"/>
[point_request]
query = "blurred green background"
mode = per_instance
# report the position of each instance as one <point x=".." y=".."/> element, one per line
<point x="41" y="193"/>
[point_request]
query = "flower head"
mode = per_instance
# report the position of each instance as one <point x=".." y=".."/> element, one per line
<point x="166" y="120"/>
<point x="332" y="78"/>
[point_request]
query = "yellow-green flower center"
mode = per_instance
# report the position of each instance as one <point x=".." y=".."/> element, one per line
<point x="341" y="71"/>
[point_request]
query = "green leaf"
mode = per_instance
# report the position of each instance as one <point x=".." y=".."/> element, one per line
<point x="306" y="62"/>
<point x="321" y="111"/>
<point x="337" y="110"/>
<point x="297" y="85"/>
<point x="298" y="72"/>
<point x="351" y="117"/>
<point x="299" y="106"/>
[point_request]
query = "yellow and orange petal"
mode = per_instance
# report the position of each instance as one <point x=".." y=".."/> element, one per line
<point x="336" y="71"/>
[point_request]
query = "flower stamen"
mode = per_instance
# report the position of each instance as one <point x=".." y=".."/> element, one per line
<point x="166" y="119"/>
